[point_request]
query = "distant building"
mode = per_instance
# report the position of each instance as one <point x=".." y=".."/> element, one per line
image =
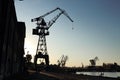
<point x="12" y="35"/>
<point x="111" y="66"/>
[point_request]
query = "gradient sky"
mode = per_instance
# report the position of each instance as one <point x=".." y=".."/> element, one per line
<point x="96" y="29"/>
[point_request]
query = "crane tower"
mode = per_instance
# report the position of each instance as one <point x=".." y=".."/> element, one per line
<point x="42" y="31"/>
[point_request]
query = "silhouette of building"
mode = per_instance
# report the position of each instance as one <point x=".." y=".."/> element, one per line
<point x="111" y="66"/>
<point x="12" y="35"/>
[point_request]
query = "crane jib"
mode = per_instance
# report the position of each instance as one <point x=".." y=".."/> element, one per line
<point x="64" y="12"/>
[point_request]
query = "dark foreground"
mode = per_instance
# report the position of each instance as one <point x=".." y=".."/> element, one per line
<point x="32" y="75"/>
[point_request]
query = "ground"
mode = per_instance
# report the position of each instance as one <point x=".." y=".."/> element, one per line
<point x="32" y="75"/>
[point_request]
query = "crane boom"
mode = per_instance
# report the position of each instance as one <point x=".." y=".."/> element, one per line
<point x="50" y="23"/>
<point x="62" y="11"/>
<point x="65" y="13"/>
<point x="40" y="17"/>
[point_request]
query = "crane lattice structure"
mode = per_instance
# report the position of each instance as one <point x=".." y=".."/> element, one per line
<point x="42" y="31"/>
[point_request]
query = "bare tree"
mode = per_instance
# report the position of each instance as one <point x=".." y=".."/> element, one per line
<point x="62" y="61"/>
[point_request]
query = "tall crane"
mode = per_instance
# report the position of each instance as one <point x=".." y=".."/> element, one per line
<point x="93" y="61"/>
<point x="42" y="31"/>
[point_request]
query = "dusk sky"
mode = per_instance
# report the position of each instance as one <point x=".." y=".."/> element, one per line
<point x="96" y="29"/>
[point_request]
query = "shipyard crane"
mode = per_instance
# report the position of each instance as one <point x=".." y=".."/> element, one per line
<point x="93" y="61"/>
<point x="42" y="31"/>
